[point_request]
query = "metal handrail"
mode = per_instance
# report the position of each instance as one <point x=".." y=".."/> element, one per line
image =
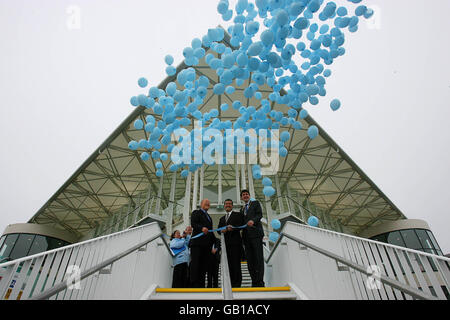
<point x="227" y="290"/>
<point x="393" y="283"/>
<point x="63" y="285"/>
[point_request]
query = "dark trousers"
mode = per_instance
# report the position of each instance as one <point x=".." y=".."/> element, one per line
<point x="200" y="261"/>
<point x="234" y="254"/>
<point x="213" y="272"/>
<point x="255" y="260"/>
<point x="180" y="277"/>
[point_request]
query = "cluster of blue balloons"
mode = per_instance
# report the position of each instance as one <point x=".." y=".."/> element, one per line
<point x="266" y="36"/>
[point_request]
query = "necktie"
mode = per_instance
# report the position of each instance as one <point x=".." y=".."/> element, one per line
<point x="207" y="216"/>
<point x="246" y="208"/>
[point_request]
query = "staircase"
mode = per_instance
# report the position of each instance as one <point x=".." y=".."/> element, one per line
<point x="246" y="292"/>
<point x="246" y="279"/>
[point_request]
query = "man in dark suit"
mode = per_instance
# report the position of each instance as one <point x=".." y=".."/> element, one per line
<point x="201" y="247"/>
<point x="213" y="271"/>
<point x="253" y="238"/>
<point x="233" y="241"/>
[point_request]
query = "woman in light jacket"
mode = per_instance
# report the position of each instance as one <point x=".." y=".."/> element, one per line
<point x="179" y="246"/>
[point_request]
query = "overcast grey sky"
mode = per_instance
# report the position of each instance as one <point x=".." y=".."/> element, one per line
<point x="63" y="91"/>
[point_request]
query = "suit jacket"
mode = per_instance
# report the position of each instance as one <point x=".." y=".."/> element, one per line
<point x="236" y="219"/>
<point x="218" y="246"/>
<point x="199" y="220"/>
<point x="254" y="213"/>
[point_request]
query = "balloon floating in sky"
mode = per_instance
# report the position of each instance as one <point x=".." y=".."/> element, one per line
<point x="335" y="104"/>
<point x="284" y="47"/>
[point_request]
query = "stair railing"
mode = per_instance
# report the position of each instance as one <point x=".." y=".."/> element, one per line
<point x="80" y="271"/>
<point x="363" y="269"/>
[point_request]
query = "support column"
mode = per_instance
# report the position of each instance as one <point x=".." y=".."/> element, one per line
<point x="202" y="178"/>
<point x="243" y="182"/>
<point x="302" y="212"/>
<point x="187" y="201"/>
<point x="269" y="214"/>
<point x="158" y="200"/>
<point x="238" y="188"/>
<point x="147" y="201"/>
<point x="219" y="185"/>
<point x="291" y="202"/>
<point x="138" y="209"/>
<point x="127" y="218"/>
<point x="169" y="222"/>
<point x="195" y="192"/>
<point x="251" y="187"/>
<point x="280" y="200"/>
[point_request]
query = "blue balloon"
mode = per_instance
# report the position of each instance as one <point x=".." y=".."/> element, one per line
<point x="313" y="221"/>
<point x="138" y="124"/>
<point x="134" y="101"/>
<point x="185" y="173"/>
<point x="335" y="104"/>
<point x="168" y="59"/>
<point x="267" y="182"/>
<point x="273" y="236"/>
<point x="219" y="89"/>
<point x="164" y="156"/>
<point x="133" y="145"/>
<point x="142" y="82"/>
<point x="145" y="156"/>
<point x="313" y="132"/>
<point x="276" y="224"/>
<point x="268" y="191"/>
<point x="170" y="70"/>
<point x="285" y="136"/>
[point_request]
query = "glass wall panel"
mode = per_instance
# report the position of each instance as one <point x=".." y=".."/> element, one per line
<point x="416" y="239"/>
<point x="433" y="240"/>
<point x="396" y="239"/>
<point x="39" y="245"/>
<point x="8" y="245"/>
<point x="2" y="239"/>
<point x="425" y="241"/>
<point x="22" y="246"/>
<point x="55" y="243"/>
<point x="411" y="239"/>
<point x="16" y="246"/>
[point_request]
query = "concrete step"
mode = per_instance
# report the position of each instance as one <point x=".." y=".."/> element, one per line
<point x="274" y="293"/>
